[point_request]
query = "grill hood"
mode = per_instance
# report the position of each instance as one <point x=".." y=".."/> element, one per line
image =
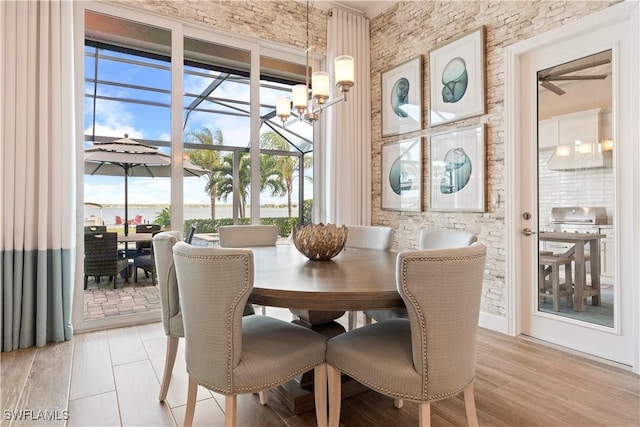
<point x="581" y="155"/>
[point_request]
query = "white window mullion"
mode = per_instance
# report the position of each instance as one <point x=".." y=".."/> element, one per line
<point x="177" y="149"/>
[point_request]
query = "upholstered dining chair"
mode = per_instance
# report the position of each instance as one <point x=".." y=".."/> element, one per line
<point x="368" y="237"/>
<point x="429" y="356"/>
<point x="231" y="354"/>
<point x="245" y="236"/>
<point x="163" y="244"/>
<point x="429" y="239"/>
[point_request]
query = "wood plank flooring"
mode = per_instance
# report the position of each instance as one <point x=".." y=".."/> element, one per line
<point x="111" y="378"/>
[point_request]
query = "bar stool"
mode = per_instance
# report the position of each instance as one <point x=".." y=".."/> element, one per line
<point x="549" y="265"/>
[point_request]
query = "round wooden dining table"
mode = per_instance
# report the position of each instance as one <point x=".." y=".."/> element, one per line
<point x="356" y="279"/>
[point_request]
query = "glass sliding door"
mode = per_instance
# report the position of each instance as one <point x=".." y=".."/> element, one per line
<point x="127" y="89"/>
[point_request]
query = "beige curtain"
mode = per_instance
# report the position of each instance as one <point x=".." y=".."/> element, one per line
<point x="345" y="158"/>
<point x="37" y="173"/>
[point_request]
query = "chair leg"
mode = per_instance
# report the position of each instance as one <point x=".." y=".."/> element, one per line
<point x="169" y="361"/>
<point x="470" y="406"/>
<point x="367" y="320"/>
<point x="334" y="395"/>
<point x="264" y="397"/>
<point x="555" y="288"/>
<point x="320" y="393"/>
<point x="192" y="393"/>
<point x="424" y="414"/>
<point x="230" y="410"/>
<point x="353" y="319"/>
<point x="398" y="403"/>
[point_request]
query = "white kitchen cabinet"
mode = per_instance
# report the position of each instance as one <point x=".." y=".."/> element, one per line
<point x="582" y="126"/>
<point x="547" y="133"/>
<point x="567" y="128"/>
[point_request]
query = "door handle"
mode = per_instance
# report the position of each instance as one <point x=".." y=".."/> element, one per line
<point x="527" y="232"/>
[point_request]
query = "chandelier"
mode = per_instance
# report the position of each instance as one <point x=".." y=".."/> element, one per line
<point x="310" y="102"/>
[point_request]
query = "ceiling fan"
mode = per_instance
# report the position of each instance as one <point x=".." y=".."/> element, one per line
<point x="563" y="73"/>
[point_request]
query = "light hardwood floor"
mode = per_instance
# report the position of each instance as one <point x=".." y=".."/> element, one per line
<point x="112" y="378"/>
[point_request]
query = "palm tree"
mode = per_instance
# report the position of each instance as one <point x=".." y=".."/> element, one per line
<point x="288" y="165"/>
<point x="207" y="159"/>
<point x="224" y="183"/>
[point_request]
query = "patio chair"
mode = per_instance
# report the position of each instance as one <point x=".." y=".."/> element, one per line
<point x="429" y="356"/>
<point x="95" y="229"/>
<point x="118" y="220"/>
<point x="101" y="257"/>
<point x="146" y="262"/>
<point x="190" y="233"/>
<point x="144" y="248"/>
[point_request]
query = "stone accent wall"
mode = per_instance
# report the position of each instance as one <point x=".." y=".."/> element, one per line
<point x="281" y="22"/>
<point x="413" y="28"/>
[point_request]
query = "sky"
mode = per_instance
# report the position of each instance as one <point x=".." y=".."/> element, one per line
<point x="116" y="118"/>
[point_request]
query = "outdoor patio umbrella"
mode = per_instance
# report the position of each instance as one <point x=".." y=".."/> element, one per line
<point x="126" y="157"/>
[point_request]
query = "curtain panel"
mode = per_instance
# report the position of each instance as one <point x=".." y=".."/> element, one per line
<point x="37" y="172"/>
<point x="345" y="158"/>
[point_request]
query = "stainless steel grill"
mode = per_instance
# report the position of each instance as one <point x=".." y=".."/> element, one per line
<point x="577" y="219"/>
<point x="574" y="220"/>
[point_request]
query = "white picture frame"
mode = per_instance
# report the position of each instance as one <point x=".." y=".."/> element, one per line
<point x="457" y="170"/>
<point x="401" y="98"/>
<point x="402" y="175"/>
<point x="457" y="79"/>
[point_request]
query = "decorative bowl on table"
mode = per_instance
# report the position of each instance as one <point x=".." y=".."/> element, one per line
<point x="319" y="242"/>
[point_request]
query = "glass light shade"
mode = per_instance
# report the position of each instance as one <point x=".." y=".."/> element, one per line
<point x="320" y="84"/>
<point x="607" y="145"/>
<point x="344" y="70"/>
<point x="564" y="150"/>
<point x="300" y="96"/>
<point x="585" y="148"/>
<point x="283" y="107"/>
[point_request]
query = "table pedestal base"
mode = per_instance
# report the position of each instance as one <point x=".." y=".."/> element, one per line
<point x="297" y="394"/>
<point x="301" y="399"/>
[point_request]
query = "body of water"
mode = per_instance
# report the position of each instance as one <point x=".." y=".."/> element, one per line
<point x="150" y="213"/>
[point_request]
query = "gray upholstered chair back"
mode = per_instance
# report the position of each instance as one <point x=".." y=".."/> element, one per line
<point x="219" y="282"/>
<point x="243" y="236"/>
<point x="442" y="290"/>
<point x="170" y="302"/>
<point x="445" y="239"/>
<point x="369" y="237"/>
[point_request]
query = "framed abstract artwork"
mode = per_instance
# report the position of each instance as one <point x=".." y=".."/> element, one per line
<point x="402" y="98"/>
<point x="457" y="79"/>
<point x="402" y="175"/>
<point x="457" y="171"/>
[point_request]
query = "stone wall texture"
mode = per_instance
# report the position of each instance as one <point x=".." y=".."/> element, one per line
<point x="413" y="28"/>
<point x="402" y="32"/>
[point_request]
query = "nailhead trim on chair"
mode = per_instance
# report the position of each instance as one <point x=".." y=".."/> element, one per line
<point x="230" y="389"/>
<point x="423" y="333"/>
<point x="423" y="326"/>
<point x="260" y="387"/>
